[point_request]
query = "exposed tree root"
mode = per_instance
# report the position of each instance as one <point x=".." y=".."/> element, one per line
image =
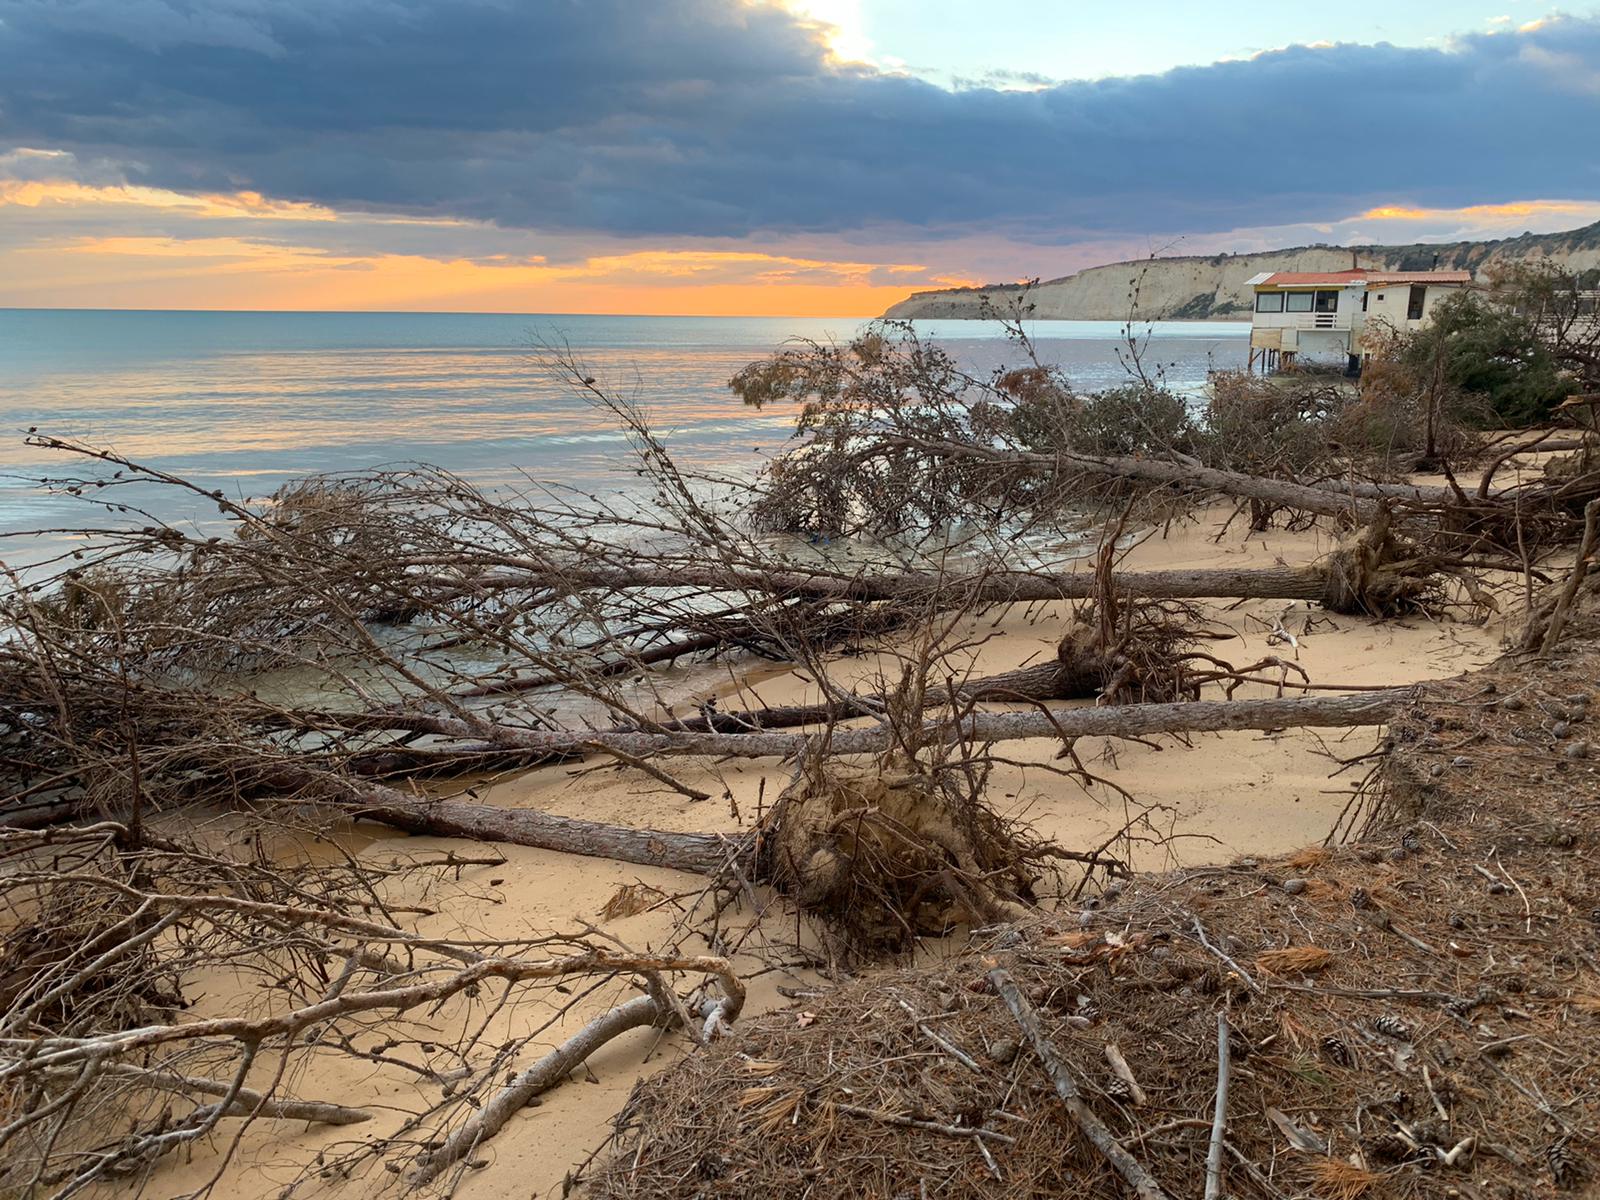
<point x="1378" y="573"/>
<point x="886" y="855"/>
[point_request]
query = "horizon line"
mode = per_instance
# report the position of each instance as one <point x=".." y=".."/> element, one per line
<point x="475" y="312"/>
<point x="433" y="312"/>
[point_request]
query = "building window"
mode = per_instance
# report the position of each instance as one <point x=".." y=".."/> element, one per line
<point x="1298" y="301"/>
<point x="1327" y="302"/>
<point x="1419" y="295"/>
<point x="1364" y="298"/>
<point x="1269" y="301"/>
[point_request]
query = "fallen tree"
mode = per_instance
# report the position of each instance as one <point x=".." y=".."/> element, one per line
<point x="710" y="853"/>
<point x="1205" y="716"/>
<point x="1324" y="581"/>
<point x="893" y="434"/>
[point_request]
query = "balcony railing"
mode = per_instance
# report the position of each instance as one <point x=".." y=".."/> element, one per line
<point x="1335" y="322"/>
<point x="1331" y="320"/>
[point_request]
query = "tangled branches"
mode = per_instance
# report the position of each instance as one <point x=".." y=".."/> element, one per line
<point x="318" y="655"/>
<point x="153" y="990"/>
<point x="894" y="439"/>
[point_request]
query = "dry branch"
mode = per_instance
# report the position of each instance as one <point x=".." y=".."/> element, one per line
<point x="538" y="1078"/>
<point x="1093" y="1128"/>
<point x="1219" y="1116"/>
<point x="1580" y="568"/>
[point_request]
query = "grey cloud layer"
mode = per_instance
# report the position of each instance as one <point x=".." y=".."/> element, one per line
<point x="707" y="117"/>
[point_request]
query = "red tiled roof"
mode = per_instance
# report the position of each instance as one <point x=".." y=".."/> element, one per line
<point x="1290" y="278"/>
<point x="1378" y="278"/>
<point x="1371" y="278"/>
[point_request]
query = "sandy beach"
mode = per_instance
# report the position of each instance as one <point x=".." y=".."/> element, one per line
<point x="1218" y="798"/>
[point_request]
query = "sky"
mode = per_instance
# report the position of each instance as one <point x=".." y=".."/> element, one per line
<point x="811" y="157"/>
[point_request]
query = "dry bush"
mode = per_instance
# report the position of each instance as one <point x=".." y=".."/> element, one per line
<point x="1409" y="416"/>
<point x="1276" y="427"/>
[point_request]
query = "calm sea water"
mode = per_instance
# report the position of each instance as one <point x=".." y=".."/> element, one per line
<point x="246" y="401"/>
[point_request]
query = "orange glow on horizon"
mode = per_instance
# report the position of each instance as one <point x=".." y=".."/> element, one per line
<point x="241" y="273"/>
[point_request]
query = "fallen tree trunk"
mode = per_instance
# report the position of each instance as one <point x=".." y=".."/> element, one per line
<point x="1322" y="582"/>
<point x="696" y="853"/>
<point x="709" y="853"/>
<point x="1046" y="681"/>
<point x="1347" y="497"/>
<point x="1361" y="708"/>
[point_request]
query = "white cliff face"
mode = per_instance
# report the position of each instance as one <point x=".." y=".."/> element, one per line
<point x="1214" y="288"/>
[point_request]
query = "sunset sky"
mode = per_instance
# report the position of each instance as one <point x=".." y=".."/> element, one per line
<point x="821" y="157"/>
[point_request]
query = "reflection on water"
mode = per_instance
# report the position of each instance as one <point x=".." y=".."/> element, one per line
<point x="246" y="401"/>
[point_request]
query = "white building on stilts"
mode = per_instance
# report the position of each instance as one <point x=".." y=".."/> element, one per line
<point x="1326" y="314"/>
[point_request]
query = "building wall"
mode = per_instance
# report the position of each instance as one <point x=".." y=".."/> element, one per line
<point x="1387" y="305"/>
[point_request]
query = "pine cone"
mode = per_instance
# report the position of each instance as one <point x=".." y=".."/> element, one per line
<point x="1337" y="1051"/>
<point x="1397" y="1099"/>
<point x="1359" y="898"/>
<point x="1392" y="1027"/>
<point x="1462" y="1005"/>
<point x="1564" y="1167"/>
<point x="1118" y="1090"/>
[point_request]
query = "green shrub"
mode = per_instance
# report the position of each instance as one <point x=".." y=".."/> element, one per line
<point x="1492" y="356"/>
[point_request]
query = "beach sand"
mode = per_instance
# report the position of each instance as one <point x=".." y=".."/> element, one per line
<point x="1218" y="798"/>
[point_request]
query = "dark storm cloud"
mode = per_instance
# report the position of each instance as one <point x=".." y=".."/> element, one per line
<point x="691" y="117"/>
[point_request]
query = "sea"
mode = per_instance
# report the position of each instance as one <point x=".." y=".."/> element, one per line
<point x="246" y="401"/>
